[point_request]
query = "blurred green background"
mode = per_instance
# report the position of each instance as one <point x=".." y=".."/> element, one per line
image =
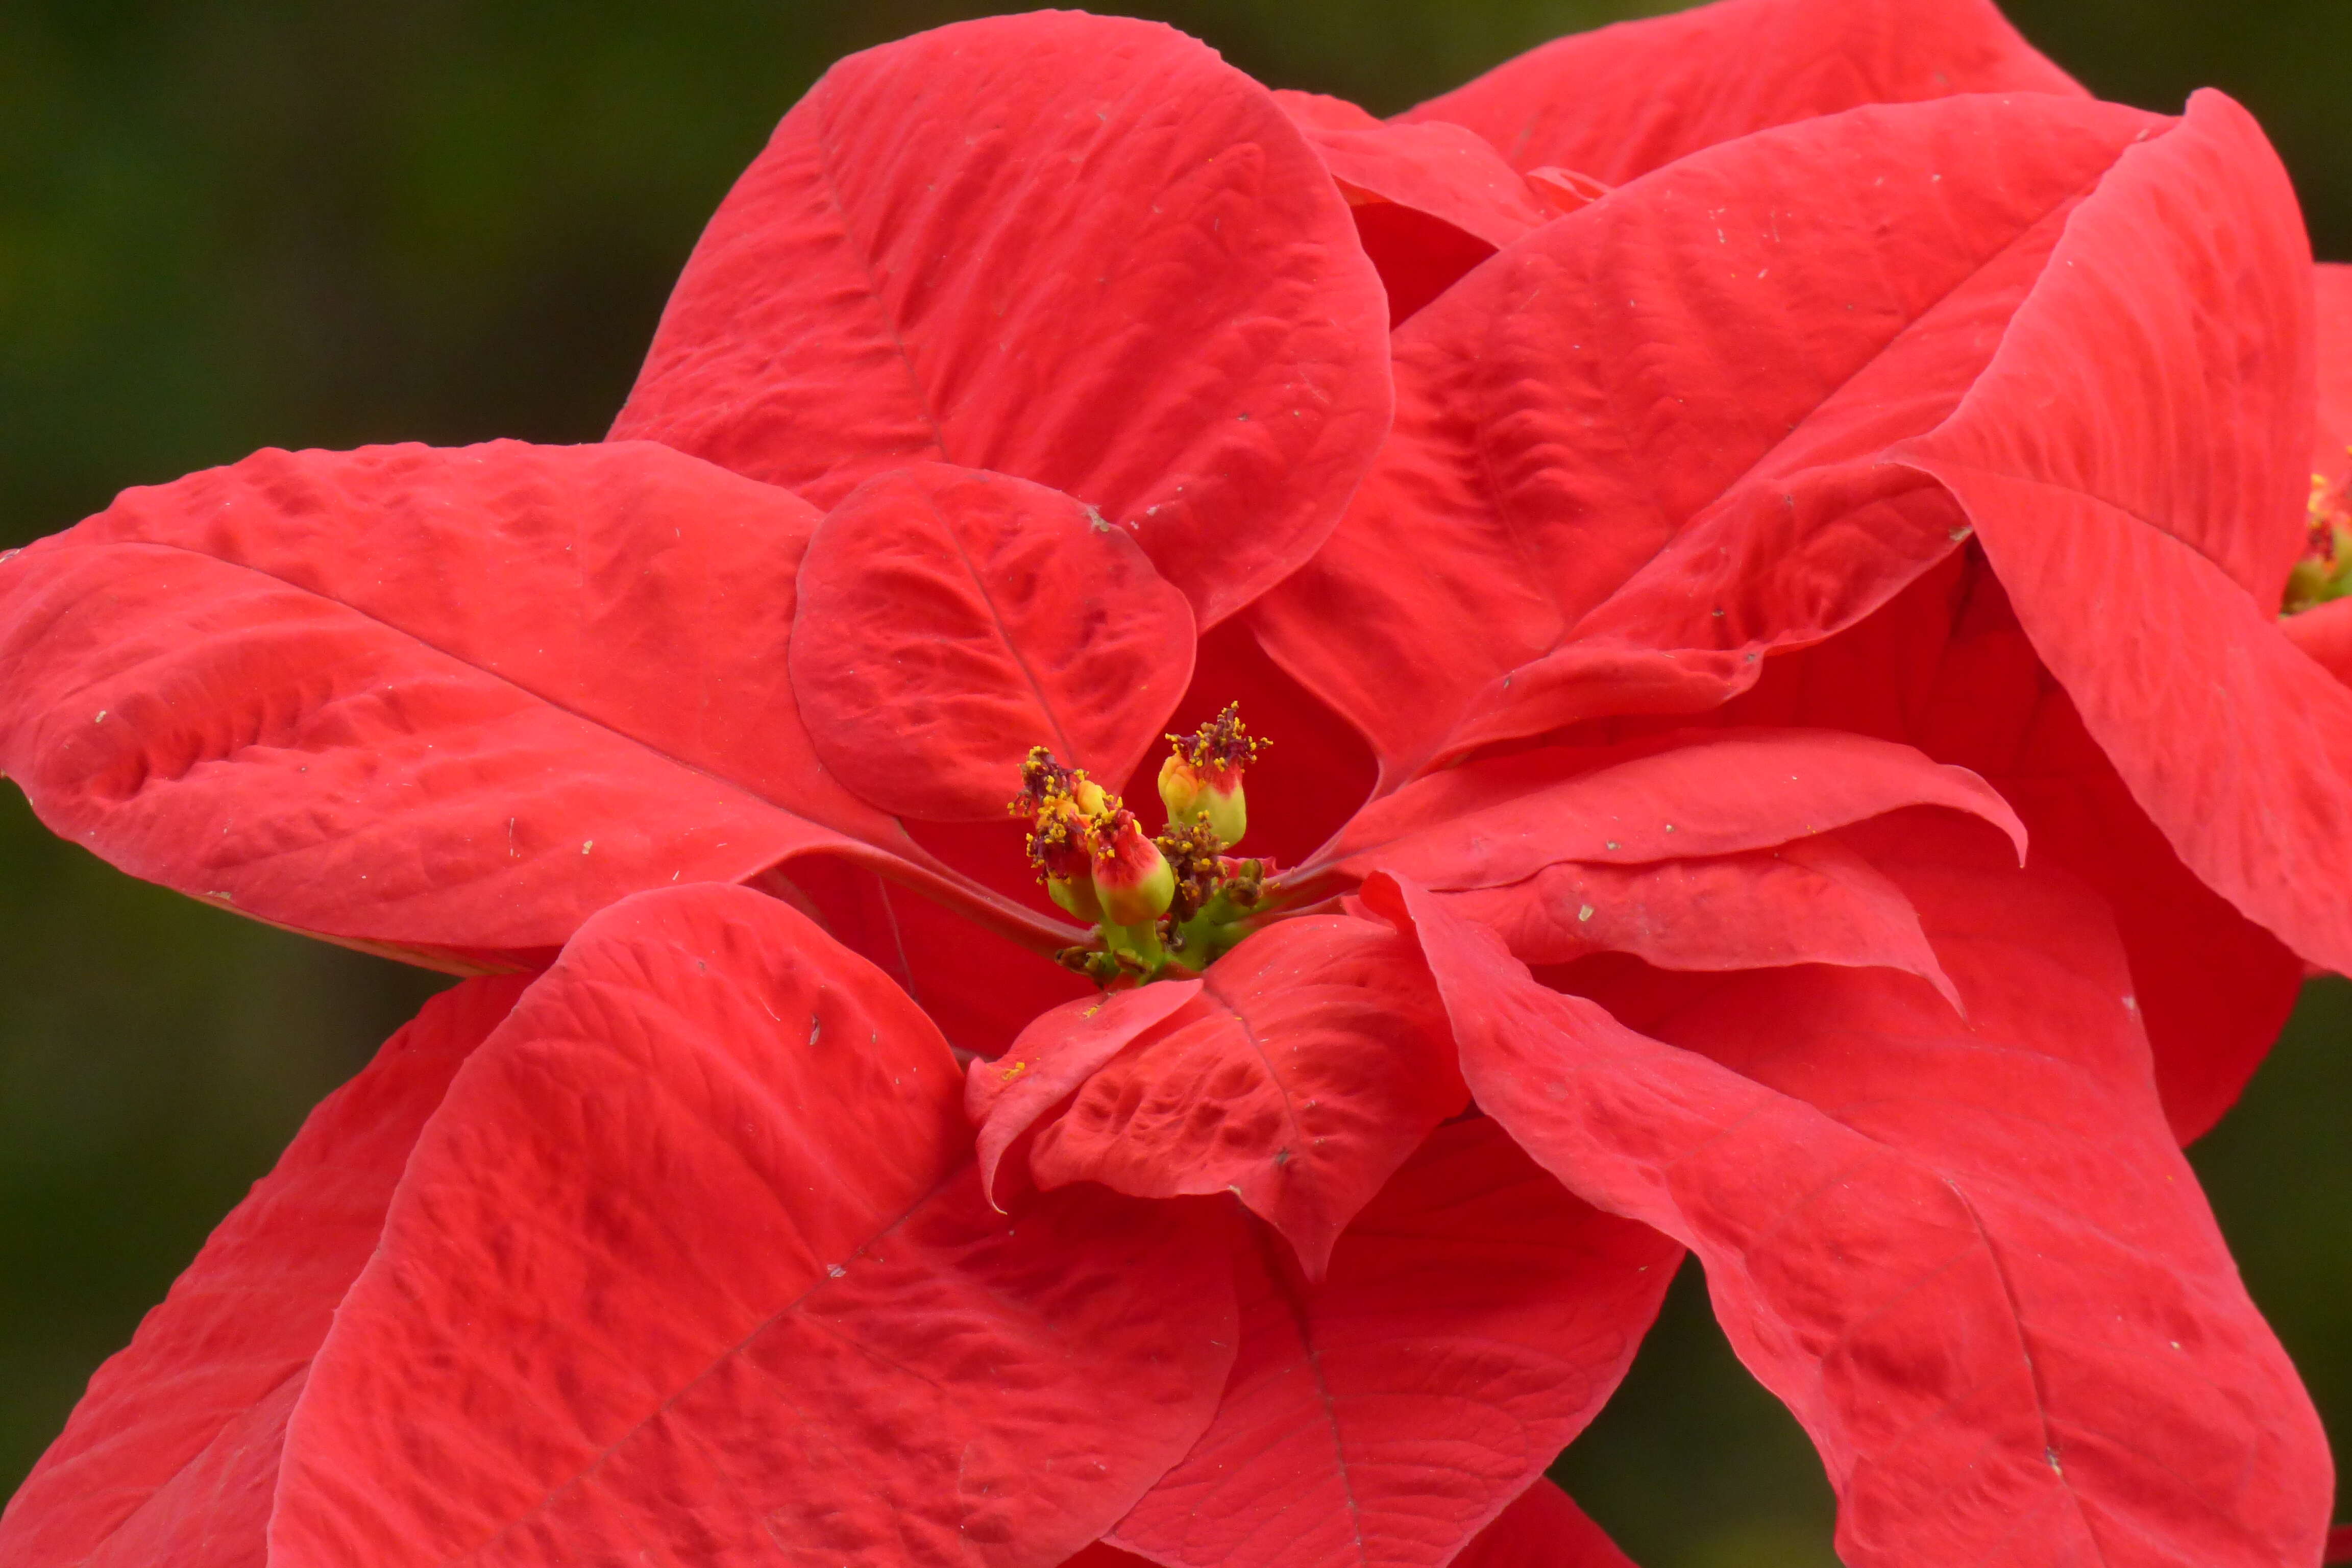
<point x="239" y="224"/>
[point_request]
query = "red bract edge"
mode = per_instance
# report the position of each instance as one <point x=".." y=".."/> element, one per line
<point x="1749" y="777"/>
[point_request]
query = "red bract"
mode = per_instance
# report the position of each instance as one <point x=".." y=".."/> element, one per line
<point x="1617" y="881"/>
<point x="191" y="1478"/>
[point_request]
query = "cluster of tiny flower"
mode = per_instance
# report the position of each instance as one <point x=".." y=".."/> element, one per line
<point x="1177" y="902"/>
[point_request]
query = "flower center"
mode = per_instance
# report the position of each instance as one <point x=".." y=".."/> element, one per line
<point x="1161" y="907"/>
<point x="2325" y="573"/>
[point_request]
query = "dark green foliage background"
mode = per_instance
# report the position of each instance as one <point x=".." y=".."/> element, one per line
<point x="229" y="224"/>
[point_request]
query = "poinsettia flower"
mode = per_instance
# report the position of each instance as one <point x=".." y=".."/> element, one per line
<point x="1653" y="373"/>
<point x="944" y="455"/>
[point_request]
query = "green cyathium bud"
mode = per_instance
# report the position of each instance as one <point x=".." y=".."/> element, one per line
<point x="1131" y="877"/>
<point x="1174" y="906"/>
<point x="1201" y="779"/>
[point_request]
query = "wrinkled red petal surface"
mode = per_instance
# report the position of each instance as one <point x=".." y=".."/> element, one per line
<point x="449" y="701"/>
<point x="948" y="620"/>
<point x="1055" y="1055"/>
<point x="693" y="1259"/>
<point x="1967" y="1255"/>
<point x="1080" y="249"/>
<point x="173" y="1455"/>
<point x="1647" y="444"/>
<point x="1313" y="1062"/>
<point x="1474" y="1321"/>
<point x="2145" y="556"/>
<point x="1622" y="101"/>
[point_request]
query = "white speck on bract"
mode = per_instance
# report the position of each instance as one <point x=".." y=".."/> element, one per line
<point x="586" y="845"/>
<point x="1585" y="913"/>
<point x="836" y="1270"/>
<point x="102" y="717"/>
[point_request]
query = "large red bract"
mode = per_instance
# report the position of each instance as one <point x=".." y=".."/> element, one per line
<point x="1836" y="462"/>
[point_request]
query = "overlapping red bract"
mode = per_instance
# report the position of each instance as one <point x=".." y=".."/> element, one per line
<point x="1867" y="1177"/>
<point x="191" y="1478"/>
<point x="1895" y="474"/>
<point x="1473" y="1320"/>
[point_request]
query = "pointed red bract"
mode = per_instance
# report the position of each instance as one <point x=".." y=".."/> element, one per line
<point x="1967" y="1255"/>
<point x="1315" y="1059"/>
<point x="1544" y="1529"/>
<point x="1080" y="249"/>
<point x="948" y="620"/>
<point x="1812" y="901"/>
<point x="173" y="1455"/>
<point x="1646" y="444"/>
<point x="1696" y="795"/>
<point x="1430" y="201"/>
<point x="1623" y="101"/>
<point x="1474" y="1321"/>
<point x="2145" y="555"/>
<point x="1443" y="171"/>
<point x="694" y="1257"/>
<point x="449" y="701"/>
